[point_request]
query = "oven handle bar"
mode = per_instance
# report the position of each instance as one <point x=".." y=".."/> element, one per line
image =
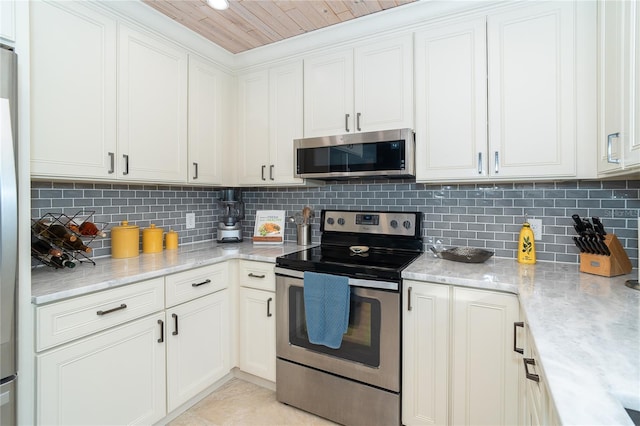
<point x="353" y="282"/>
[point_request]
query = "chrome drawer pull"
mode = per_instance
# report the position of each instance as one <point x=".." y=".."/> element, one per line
<point x="530" y="376"/>
<point x="108" y="311"/>
<point x="207" y="281"/>
<point x="252" y="275"/>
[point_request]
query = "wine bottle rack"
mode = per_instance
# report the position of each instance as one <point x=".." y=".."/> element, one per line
<point x="66" y="228"/>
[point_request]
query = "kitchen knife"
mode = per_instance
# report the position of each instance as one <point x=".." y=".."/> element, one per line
<point x="579" y="224"/>
<point x="599" y="227"/>
<point x="579" y="245"/>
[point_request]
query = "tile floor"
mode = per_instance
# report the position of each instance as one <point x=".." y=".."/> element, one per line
<point x="242" y="403"/>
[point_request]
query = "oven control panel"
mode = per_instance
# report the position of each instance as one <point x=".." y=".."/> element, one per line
<point x="384" y="223"/>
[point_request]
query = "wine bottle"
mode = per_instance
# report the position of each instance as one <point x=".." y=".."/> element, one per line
<point x="60" y="233"/>
<point x="62" y="262"/>
<point x="90" y="229"/>
<point x="77" y="245"/>
<point x="44" y="248"/>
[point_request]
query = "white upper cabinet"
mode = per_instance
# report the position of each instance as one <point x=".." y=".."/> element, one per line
<point x="269" y="119"/>
<point x="532" y="91"/>
<point x="152" y="108"/>
<point x="497" y="97"/>
<point x="367" y="88"/>
<point x="208" y="121"/>
<point x="8" y="20"/>
<point x="451" y="101"/>
<point x="73" y="96"/>
<point x="618" y="86"/>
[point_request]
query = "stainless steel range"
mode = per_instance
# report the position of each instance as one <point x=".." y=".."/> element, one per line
<point x="359" y="382"/>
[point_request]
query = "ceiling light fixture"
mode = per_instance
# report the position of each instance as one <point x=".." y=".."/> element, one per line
<point x="218" y="4"/>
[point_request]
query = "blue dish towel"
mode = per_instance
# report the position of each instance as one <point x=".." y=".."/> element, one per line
<point x="326" y="304"/>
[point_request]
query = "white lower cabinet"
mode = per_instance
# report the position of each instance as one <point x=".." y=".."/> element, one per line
<point x="197" y="346"/>
<point x="458" y="361"/>
<point x="130" y="355"/>
<point x="258" y="333"/>
<point x="116" y="377"/>
<point x="257" y="328"/>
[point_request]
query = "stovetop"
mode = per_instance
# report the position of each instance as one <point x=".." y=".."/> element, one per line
<point x="393" y="240"/>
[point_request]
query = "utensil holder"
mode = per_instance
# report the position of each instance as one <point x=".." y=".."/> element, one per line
<point x="304" y="235"/>
<point x="607" y="266"/>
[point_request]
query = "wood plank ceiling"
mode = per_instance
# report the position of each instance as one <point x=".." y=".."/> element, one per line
<point x="247" y="24"/>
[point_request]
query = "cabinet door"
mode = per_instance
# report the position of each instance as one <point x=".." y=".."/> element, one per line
<point x="73" y="89"/>
<point x="484" y="373"/>
<point x="425" y="354"/>
<point x="253" y="128"/>
<point x="198" y="346"/>
<point x="383" y="84"/>
<point x="328" y="94"/>
<point x="285" y="120"/>
<point x="258" y="333"/>
<point x="8" y="20"/>
<point x="451" y="101"/>
<point x="152" y="108"/>
<point x="116" y="377"/>
<point x="207" y="105"/>
<point x="632" y="24"/>
<point x="532" y="95"/>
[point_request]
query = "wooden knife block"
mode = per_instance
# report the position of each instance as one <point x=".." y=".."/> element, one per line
<point x="607" y="266"/>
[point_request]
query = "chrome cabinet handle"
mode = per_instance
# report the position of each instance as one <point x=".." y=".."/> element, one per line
<point x="262" y="173"/>
<point x="610" y="158"/>
<point x="496" y="158"/>
<point x="269" y="314"/>
<point x="516" y="348"/>
<point x="252" y="275"/>
<point x="479" y="163"/>
<point x="126" y="164"/>
<point x="527" y="363"/>
<point x="358" y="121"/>
<point x="112" y="159"/>
<point x="346" y="122"/>
<point x="161" y="339"/>
<point x="207" y="281"/>
<point x="108" y="311"/>
<point x="195" y="165"/>
<point x="271" y="172"/>
<point x="409" y="298"/>
<point x="175" y="324"/>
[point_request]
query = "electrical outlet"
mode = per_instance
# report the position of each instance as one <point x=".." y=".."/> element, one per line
<point x="536" y="227"/>
<point x="191" y="220"/>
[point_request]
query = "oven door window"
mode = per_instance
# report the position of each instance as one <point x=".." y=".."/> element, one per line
<point x="361" y="342"/>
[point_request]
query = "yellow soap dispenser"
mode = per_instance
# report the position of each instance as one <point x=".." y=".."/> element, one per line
<point x="526" y="244"/>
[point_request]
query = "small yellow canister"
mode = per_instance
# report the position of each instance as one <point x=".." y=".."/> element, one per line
<point x="171" y="240"/>
<point x="152" y="239"/>
<point x="125" y="240"/>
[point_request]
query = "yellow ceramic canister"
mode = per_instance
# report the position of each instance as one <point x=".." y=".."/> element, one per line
<point x="171" y="240"/>
<point x="152" y="239"/>
<point x="125" y="240"/>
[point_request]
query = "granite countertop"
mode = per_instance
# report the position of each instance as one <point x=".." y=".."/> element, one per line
<point x="586" y="329"/>
<point x="51" y="285"/>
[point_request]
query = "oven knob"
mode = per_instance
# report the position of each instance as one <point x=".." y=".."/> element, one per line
<point x="406" y="224"/>
<point x="340" y="221"/>
<point x="330" y="221"/>
<point x="394" y="223"/>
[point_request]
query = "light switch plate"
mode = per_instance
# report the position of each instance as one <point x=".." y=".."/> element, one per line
<point x="536" y="227"/>
<point x="191" y="220"/>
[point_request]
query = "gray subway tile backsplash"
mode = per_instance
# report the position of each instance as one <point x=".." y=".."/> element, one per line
<point x="482" y="215"/>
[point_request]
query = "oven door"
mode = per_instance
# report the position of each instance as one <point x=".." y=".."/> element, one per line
<point x="370" y="350"/>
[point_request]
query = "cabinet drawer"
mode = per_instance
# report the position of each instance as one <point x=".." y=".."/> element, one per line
<point x="70" y="319"/>
<point x="259" y="275"/>
<point x="189" y="285"/>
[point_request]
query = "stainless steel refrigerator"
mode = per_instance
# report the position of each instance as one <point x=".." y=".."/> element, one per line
<point x="8" y="234"/>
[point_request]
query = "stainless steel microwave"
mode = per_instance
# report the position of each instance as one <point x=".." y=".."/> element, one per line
<point x="389" y="153"/>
